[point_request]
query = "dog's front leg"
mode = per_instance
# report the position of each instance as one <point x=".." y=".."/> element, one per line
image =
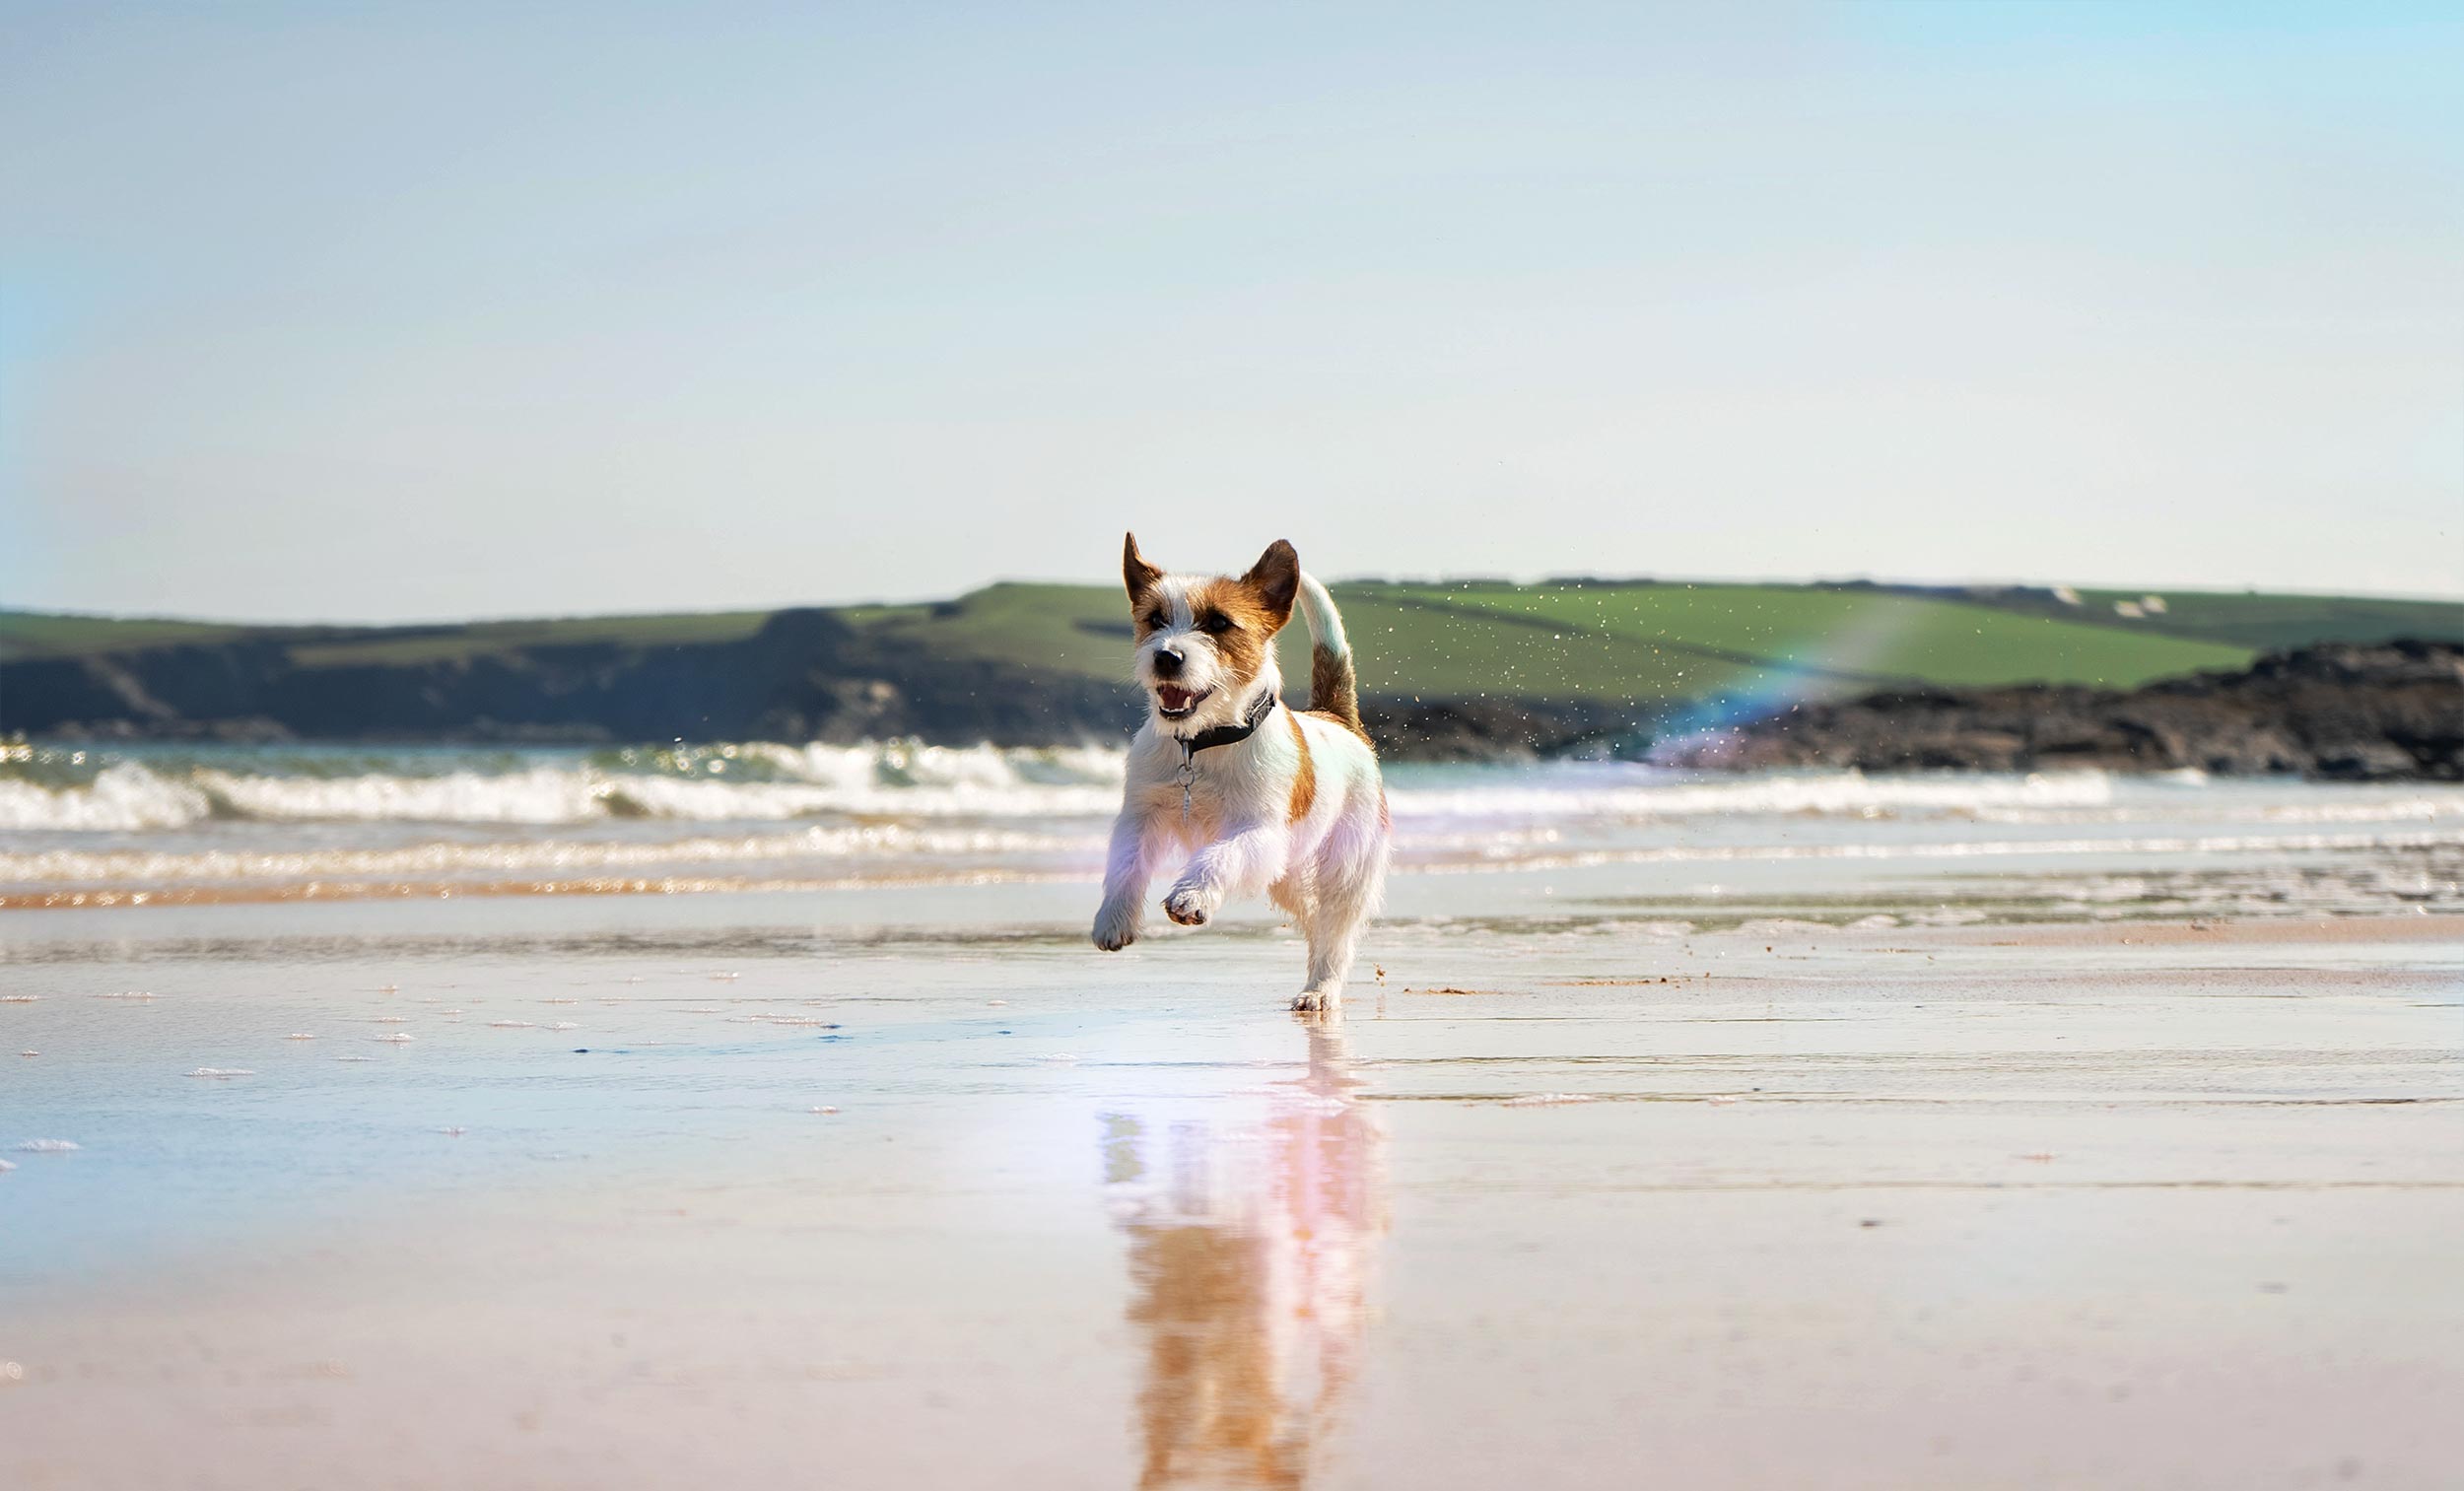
<point x="1127" y="869"/>
<point x="1243" y="863"/>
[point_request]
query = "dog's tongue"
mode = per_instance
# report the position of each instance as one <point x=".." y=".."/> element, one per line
<point x="1172" y="698"/>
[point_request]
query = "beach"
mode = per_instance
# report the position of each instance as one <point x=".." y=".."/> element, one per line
<point x="580" y="589"/>
<point x="1767" y="1131"/>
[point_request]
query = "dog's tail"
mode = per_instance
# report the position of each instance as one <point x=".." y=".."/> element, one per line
<point x="1333" y="688"/>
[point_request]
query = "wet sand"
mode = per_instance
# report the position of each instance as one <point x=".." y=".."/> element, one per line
<point x="661" y="1194"/>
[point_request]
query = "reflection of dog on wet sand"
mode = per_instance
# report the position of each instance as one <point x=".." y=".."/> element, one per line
<point x="1250" y="1262"/>
<point x="1262" y="798"/>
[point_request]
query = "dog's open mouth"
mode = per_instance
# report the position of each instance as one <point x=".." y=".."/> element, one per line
<point x="1173" y="700"/>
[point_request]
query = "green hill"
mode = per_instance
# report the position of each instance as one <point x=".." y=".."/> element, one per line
<point x="1606" y="641"/>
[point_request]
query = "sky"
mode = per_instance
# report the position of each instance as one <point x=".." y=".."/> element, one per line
<point x="424" y="310"/>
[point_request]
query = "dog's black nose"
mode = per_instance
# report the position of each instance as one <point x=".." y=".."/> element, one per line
<point x="1168" y="662"/>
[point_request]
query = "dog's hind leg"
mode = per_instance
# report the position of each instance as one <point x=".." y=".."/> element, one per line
<point x="1332" y="940"/>
<point x="1345" y="893"/>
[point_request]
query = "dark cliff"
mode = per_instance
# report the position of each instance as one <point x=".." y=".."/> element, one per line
<point x="2343" y="712"/>
<point x="805" y="675"/>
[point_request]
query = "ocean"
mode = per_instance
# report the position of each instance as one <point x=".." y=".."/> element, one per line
<point x="131" y="827"/>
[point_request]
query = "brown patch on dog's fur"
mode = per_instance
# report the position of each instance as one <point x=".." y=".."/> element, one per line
<point x="1243" y="647"/>
<point x="1341" y="723"/>
<point x="1333" y="693"/>
<point x="1305" y="778"/>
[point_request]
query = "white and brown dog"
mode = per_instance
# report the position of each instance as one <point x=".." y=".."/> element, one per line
<point x="1260" y="796"/>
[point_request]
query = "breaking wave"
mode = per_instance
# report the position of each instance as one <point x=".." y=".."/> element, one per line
<point x="721" y="784"/>
<point x="164" y="825"/>
<point x="77" y="792"/>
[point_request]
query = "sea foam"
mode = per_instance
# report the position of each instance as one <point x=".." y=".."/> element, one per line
<point x="706" y="784"/>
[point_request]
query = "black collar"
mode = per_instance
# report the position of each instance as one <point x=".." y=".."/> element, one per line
<point x="1229" y="734"/>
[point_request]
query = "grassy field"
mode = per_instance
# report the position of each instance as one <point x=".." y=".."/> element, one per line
<point x="39" y="634"/>
<point x="1668" y="639"/>
<point x="417" y="645"/>
<point x="2264" y="622"/>
<point x="1606" y="642"/>
<point x="30" y="633"/>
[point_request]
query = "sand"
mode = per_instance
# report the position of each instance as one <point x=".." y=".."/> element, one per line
<point x="715" y="1193"/>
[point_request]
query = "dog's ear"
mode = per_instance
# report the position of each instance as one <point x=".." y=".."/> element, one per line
<point x="1275" y="580"/>
<point x="1137" y="574"/>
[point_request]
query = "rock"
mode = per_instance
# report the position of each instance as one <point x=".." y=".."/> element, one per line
<point x="2393" y="711"/>
<point x="1485" y="730"/>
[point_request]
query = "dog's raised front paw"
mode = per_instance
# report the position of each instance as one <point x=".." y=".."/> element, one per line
<point x="1115" y="926"/>
<point x="1188" y="904"/>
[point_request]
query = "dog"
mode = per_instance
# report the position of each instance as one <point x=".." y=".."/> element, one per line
<point x="1260" y="796"/>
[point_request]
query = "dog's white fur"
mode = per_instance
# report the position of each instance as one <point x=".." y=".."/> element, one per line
<point x="1327" y="866"/>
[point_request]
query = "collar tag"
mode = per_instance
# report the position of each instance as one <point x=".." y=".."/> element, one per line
<point x="1219" y="735"/>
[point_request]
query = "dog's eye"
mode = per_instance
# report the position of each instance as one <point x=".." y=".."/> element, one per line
<point x="1217" y="622"/>
<point x="1152" y="619"/>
